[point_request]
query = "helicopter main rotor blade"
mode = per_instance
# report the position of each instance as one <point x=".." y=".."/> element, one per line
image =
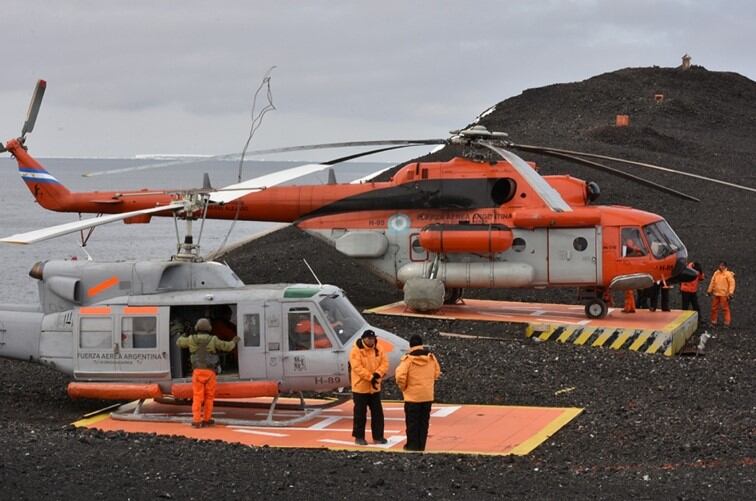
<point x="34" y="105"/>
<point x="228" y="156"/>
<point x="66" y="228"/>
<point x="537" y="149"/>
<point x="350" y="144"/>
<point x="158" y="165"/>
<point x="618" y="172"/>
<point x="232" y="192"/>
<point x="365" y="153"/>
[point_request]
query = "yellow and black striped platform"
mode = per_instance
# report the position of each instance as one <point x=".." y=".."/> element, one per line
<point x="668" y="339"/>
<point x="643" y="331"/>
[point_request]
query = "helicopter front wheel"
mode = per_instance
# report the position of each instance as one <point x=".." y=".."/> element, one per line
<point x="596" y="308"/>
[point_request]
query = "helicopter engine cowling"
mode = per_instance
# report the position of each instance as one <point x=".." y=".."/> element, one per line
<point x="461" y="238"/>
<point x="68" y="288"/>
<point x="480" y="275"/>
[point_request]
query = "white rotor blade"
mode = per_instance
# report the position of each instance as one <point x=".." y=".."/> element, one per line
<point x="63" y="229"/>
<point x="234" y="191"/>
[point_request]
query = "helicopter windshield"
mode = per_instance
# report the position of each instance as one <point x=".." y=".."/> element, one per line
<point x="344" y="318"/>
<point x="662" y="239"/>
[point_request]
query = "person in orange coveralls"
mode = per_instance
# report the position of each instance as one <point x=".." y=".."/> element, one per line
<point x="369" y="365"/>
<point x="416" y="377"/>
<point x="203" y="348"/>
<point x="722" y="287"/>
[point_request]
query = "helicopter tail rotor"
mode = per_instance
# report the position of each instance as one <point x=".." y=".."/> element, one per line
<point x="34" y="105"/>
<point x="31" y="113"/>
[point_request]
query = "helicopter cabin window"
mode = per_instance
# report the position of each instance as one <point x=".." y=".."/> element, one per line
<point x="632" y="243"/>
<point x="252" y="330"/>
<point x="139" y="332"/>
<point x="95" y="333"/>
<point x="306" y="331"/>
<point x="518" y="244"/>
<point x="580" y="244"/>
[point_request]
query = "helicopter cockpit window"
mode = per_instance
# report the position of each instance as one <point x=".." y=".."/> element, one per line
<point x="632" y="243"/>
<point x="139" y="332"/>
<point x="95" y="333"/>
<point x="662" y="239"/>
<point x="252" y="330"/>
<point x="343" y="317"/>
<point x="300" y="337"/>
<point x="305" y="331"/>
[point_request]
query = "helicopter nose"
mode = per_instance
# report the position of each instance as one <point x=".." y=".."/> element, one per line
<point x="680" y="271"/>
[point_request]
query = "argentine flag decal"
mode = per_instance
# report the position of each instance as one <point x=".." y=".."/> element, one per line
<point x="35" y="175"/>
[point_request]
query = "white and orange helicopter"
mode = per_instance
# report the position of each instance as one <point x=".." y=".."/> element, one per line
<point x="484" y="219"/>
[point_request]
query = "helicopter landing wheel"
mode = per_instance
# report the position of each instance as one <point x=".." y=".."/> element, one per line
<point x="596" y="308"/>
<point x="453" y="296"/>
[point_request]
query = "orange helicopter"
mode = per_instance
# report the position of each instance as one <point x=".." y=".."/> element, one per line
<point x="485" y="219"/>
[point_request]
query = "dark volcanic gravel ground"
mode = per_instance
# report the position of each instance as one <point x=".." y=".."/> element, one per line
<point x="653" y="427"/>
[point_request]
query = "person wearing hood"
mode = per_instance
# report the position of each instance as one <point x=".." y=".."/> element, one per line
<point x="722" y="287"/>
<point x="416" y="377"/>
<point x="368" y="367"/>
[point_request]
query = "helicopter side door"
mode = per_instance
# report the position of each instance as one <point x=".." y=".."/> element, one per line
<point x="311" y="359"/>
<point x="121" y="343"/>
<point x="142" y="334"/>
<point x="254" y="344"/>
<point x="573" y="256"/>
<point x="94" y="343"/>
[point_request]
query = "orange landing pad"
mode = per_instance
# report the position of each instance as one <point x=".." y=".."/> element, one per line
<point x="462" y="429"/>
<point x="652" y="332"/>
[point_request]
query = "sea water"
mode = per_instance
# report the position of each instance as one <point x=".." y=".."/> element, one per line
<point x="19" y="213"/>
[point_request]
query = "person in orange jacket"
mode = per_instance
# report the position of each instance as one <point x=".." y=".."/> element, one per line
<point x="204" y="348"/>
<point x="689" y="290"/>
<point x="368" y="367"/>
<point x="416" y="377"/>
<point x="722" y="287"/>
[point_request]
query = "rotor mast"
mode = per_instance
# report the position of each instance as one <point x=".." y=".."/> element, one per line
<point x="188" y="250"/>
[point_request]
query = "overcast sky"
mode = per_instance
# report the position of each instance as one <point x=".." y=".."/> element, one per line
<point x="142" y="77"/>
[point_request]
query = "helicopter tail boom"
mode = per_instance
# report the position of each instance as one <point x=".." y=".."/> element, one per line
<point x="47" y="190"/>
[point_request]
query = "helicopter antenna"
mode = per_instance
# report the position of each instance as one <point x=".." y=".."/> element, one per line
<point x="256" y="123"/>
<point x="89" y="256"/>
<point x="311" y="271"/>
<point x="257" y="120"/>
